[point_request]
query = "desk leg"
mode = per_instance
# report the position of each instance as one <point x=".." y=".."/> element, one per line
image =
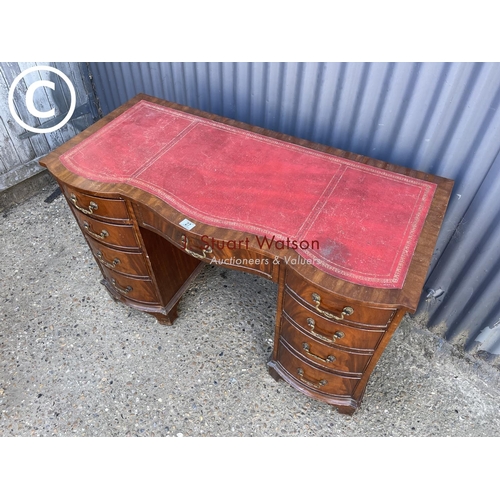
<point x="272" y="371"/>
<point x="167" y="319"/>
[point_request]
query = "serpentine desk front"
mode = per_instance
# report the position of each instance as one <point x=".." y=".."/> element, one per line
<point x="159" y="189"/>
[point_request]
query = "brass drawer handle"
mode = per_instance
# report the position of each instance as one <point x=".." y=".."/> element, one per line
<point x="102" y="235"/>
<point x="337" y="335"/>
<point x="347" y="311"/>
<point x="328" y="359"/>
<point x="185" y="242"/>
<point x="92" y="205"/>
<point x="126" y="290"/>
<point x="104" y="262"/>
<point x="318" y="385"/>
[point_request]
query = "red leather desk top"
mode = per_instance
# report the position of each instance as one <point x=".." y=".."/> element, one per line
<point x="366" y="220"/>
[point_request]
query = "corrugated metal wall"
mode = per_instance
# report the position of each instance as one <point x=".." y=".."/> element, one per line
<point x="442" y="118"/>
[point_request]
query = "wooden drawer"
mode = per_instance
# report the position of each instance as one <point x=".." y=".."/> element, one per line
<point x="315" y="378"/>
<point x="113" y="209"/>
<point x="201" y="247"/>
<point x="237" y="258"/>
<point x="119" y="235"/>
<point x="140" y="290"/>
<point x="193" y="244"/>
<point x="325" y="355"/>
<point x="328" y="331"/>
<point x="336" y="308"/>
<point x="120" y="261"/>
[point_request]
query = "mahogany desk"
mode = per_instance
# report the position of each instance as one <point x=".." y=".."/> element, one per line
<point x="159" y="189"/>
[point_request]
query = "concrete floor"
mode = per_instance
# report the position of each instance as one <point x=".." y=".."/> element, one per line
<point x="74" y="363"/>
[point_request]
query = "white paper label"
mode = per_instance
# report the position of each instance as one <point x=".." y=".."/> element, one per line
<point x="187" y="224"/>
